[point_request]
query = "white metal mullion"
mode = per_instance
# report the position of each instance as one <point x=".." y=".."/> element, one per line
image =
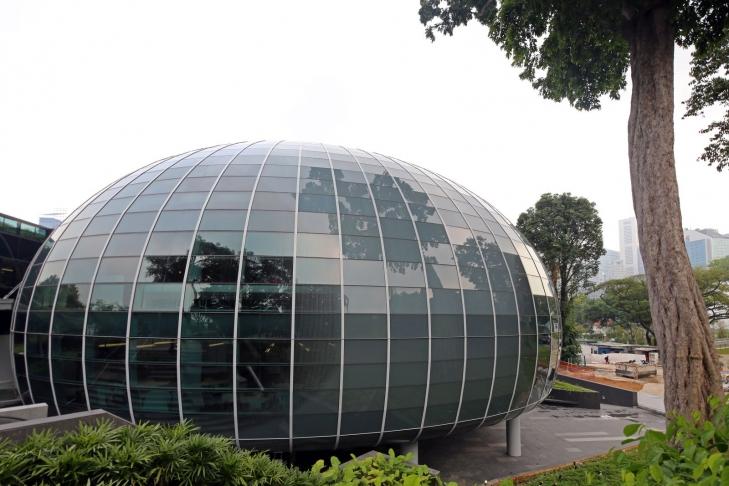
<point x="136" y="275"/>
<point x="516" y="302"/>
<point x="341" y="300"/>
<point x="187" y="270"/>
<point x="14" y="320"/>
<point x="241" y="261"/>
<point x="95" y="274"/>
<point x="437" y="181"/>
<point x="292" y="341"/>
<point x="40" y="270"/>
<point x="427" y="299"/>
<point x="387" y="295"/>
<point x="491" y="292"/>
<point x="534" y="305"/>
<point x="463" y="302"/>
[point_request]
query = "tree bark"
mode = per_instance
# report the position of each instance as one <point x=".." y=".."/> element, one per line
<point x="690" y="365"/>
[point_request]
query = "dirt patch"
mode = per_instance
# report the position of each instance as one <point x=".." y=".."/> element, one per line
<point x="593" y="376"/>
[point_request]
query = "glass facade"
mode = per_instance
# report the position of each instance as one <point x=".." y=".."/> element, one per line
<point x="290" y="296"/>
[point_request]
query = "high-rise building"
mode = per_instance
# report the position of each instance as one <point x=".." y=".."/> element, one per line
<point x="611" y="267"/>
<point x="630" y="247"/>
<point x="705" y="245"/>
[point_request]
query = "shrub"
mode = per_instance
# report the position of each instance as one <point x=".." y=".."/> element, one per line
<point x="691" y="451"/>
<point x="379" y="470"/>
<point x="147" y="454"/>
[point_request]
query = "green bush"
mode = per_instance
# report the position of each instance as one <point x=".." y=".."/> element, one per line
<point x="153" y="454"/>
<point x="378" y="470"/>
<point x="147" y="454"/>
<point x="691" y="451"/>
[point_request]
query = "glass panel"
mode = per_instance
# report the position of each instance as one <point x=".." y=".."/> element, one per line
<point x="361" y="247"/>
<point x="162" y="269"/>
<point x="218" y="243"/>
<point x="126" y="244"/>
<point x="177" y="243"/>
<point x="111" y="297"/>
<point x="213" y="269"/>
<point x="363" y="272"/>
<point x="317" y="245"/>
<point x="188" y="200"/>
<point x="274" y="244"/>
<point x="223" y="220"/>
<point x="317" y="271"/>
<point x="177" y="220"/>
<point x="402" y="250"/>
<point x="359" y="225"/>
<point x="405" y="274"/>
<point x="229" y="200"/>
<point x="117" y="269"/>
<point x="271" y="221"/>
<point x="280" y="201"/>
<point x="364" y="300"/>
<point x="89" y="246"/>
<point x="236" y="184"/>
<point x="158" y="296"/>
<point x="135" y="222"/>
<point x="318" y="223"/>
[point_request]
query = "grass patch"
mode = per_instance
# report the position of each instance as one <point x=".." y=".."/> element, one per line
<point x="723" y="350"/>
<point x="604" y="471"/>
<point x="564" y="386"/>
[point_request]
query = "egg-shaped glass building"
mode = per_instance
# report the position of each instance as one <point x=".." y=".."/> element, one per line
<point x="290" y="296"/>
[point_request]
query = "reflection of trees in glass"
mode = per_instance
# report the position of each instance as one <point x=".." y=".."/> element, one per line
<point x="213" y="269"/>
<point x="164" y="268"/>
<point x="205" y="247"/>
<point x="270" y="270"/>
<point x="471" y="266"/>
<point x="69" y="297"/>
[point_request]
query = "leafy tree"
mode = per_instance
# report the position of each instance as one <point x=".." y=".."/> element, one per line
<point x="567" y="232"/>
<point x="626" y="301"/>
<point x="581" y="51"/>
<point x="714" y="284"/>
<point x="710" y="88"/>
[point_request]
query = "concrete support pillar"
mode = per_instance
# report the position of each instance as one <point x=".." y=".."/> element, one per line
<point x="411" y="447"/>
<point x="513" y="437"/>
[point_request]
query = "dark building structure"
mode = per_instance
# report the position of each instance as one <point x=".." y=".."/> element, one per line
<point x="19" y="241"/>
<point x="291" y="296"/>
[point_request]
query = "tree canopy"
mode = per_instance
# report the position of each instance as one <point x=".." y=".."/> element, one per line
<point x="714" y="284"/>
<point x="566" y="231"/>
<point x="580" y="51"/>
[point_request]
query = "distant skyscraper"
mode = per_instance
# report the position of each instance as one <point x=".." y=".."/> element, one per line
<point x="611" y="267"/>
<point x="630" y="247"/>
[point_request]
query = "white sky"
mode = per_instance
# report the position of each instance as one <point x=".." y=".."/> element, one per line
<point x="92" y="90"/>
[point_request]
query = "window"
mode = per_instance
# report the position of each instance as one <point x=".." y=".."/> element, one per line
<point x="280" y="201"/>
<point x="229" y="200"/>
<point x="213" y="269"/>
<point x="218" y="243"/>
<point x="177" y="220"/>
<point x="188" y="200"/>
<point x="318" y="223"/>
<point x="317" y="271"/>
<point x="79" y="271"/>
<point x="272" y="244"/>
<point x="117" y="269"/>
<point x="111" y="297"/>
<point x="405" y="274"/>
<point x="359" y="225"/>
<point x="162" y="269"/>
<point x="356" y="205"/>
<point x="363" y="272"/>
<point x="135" y="222"/>
<point x="271" y="221"/>
<point x="169" y="243"/>
<point x="236" y="184"/>
<point x="361" y="247"/>
<point x="364" y="300"/>
<point x="158" y="296"/>
<point x="217" y="220"/>
<point x="316" y="245"/>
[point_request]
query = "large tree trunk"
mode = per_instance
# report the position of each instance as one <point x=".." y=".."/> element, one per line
<point x="690" y="366"/>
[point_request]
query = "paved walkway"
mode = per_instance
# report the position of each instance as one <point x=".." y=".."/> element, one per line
<point x="550" y="436"/>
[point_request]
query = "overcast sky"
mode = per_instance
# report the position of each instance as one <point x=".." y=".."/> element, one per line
<point x="92" y="90"/>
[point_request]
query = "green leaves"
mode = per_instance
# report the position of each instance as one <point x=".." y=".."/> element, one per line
<point x="377" y="470"/>
<point x="141" y="455"/>
<point x="691" y="451"/>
